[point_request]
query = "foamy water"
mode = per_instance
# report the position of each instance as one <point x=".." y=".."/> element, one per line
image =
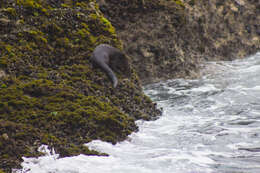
<point x="209" y="125"/>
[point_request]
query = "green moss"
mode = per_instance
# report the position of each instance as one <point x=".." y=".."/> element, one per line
<point x="137" y="99"/>
<point x="64" y="42"/>
<point x="85" y="26"/>
<point x="91" y="5"/>
<point x="10" y="10"/>
<point x="180" y="3"/>
<point x="83" y="33"/>
<point x="3" y="86"/>
<point x="53" y="94"/>
<point x="75" y="150"/>
<point x="37" y="35"/>
<point x="53" y="28"/>
<point x="8" y="48"/>
<point x="3" y="61"/>
<point x="33" y="6"/>
<point x="39" y="87"/>
<point x="108" y="25"/>
<point x="29" y="3"/>
<point x="36" y="14"/>
<point x="65" y="5"/>
<point x="29" y="46"/>
<point x="50" y="139"/>
<point x="82" y="4"/>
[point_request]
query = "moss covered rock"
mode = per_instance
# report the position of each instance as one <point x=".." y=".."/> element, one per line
<point x="50" y="92"/>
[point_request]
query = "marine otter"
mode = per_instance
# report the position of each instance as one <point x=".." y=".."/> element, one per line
<point x="105" y="55"/>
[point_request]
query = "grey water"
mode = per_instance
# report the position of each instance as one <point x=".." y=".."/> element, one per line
<point x="217" y="116"/>
<point x="209" y="125"/>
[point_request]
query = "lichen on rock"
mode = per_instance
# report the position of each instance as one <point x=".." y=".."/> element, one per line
<point x="50" y="92"/>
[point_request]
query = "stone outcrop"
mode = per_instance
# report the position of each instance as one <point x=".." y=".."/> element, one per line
<point x="169" y="39"/>
<point x="50" y="93"/>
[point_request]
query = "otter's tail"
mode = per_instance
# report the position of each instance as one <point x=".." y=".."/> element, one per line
<point x="110" y="73"/>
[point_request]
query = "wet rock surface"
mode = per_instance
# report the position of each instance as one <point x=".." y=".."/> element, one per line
<point x="50" y="93"/>
<point x="169" y="39"/>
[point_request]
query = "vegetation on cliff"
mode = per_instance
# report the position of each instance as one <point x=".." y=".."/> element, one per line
<point x="49" y="91"/>
<point x="51" y="94"/>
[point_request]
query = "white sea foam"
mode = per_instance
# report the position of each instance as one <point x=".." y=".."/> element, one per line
<point x="205" y="124"/>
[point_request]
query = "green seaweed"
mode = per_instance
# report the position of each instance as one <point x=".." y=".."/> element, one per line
<point x="37" y="35"/>
<point x="32" y="5"/>
<point x="52" y="94"/>
<point x="10" y="10"/>
<point x="180" y="3"/>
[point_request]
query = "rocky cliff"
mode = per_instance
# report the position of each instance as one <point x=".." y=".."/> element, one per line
<point x="168" y="39"/>
<point x="50" y="93"/>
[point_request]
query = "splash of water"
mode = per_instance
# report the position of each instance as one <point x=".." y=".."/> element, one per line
<point x="209" y="125"/>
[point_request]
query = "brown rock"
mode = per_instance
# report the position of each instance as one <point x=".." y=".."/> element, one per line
<point x="5" y="136"/>
<point x="4" y="21"/>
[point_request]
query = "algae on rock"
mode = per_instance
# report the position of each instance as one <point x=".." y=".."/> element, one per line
<point x="50" y="92"/>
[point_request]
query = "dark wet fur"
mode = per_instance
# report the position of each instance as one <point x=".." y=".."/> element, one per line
<point x="102" y="56"/>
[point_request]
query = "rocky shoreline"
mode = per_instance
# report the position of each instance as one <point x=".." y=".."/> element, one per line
<point x="50" y="93"/>
<point x="169" y="39"/>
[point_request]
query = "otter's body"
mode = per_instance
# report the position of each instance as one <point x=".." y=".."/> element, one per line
<point x="101" y="57"/>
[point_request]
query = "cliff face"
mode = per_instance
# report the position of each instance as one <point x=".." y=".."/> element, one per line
<point x="168" y="39"/>
<point x="49" y="91"/>
<point x="230" y="28"/>
<point x="51" y="94"/>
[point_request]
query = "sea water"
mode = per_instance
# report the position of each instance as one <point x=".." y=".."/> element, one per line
<point x="209" y="125"/>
